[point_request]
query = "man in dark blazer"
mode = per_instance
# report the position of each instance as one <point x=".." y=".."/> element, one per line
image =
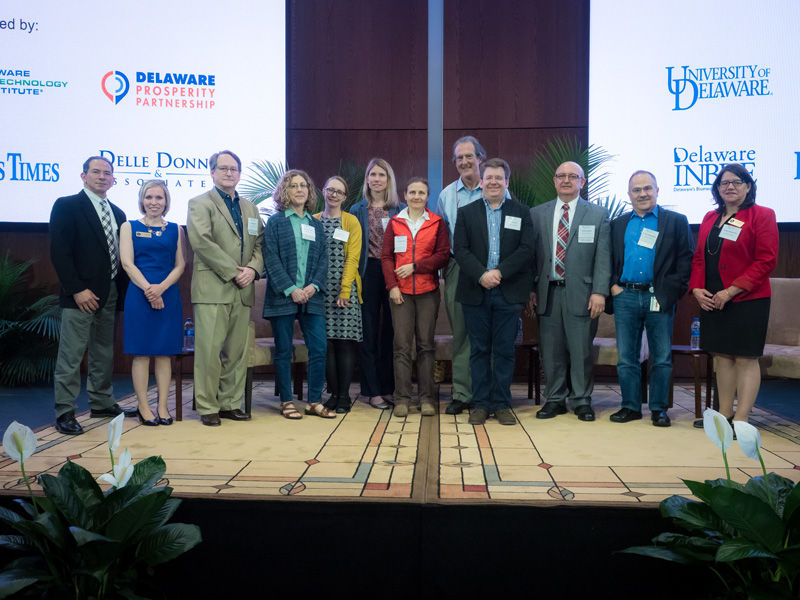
<point x="651" y="250"/>
<point x="84" y="249"/>
<point x="573" y="258"/>
<point x="493" y="244"/>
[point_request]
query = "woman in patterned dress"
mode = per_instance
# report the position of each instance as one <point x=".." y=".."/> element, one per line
<point x="343" y="293"/>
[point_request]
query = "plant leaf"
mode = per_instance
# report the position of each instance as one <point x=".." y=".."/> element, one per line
<point x="135" y="515"/>
<point x="701" y="490"/>
<point x="82" y="484"/>
<point x="168" y="542"/>
<point x="148" y="471"/>
<point x="60" y="493"/>
<point x="752" y="517"/>
<point x="695" y="516"/>
<point x="701" y="550"/>
<point x="660" y="552"/>
<point x="780" y="489"/>
<point x="791" y="516"/>
<point x="82" y="536"/>
<point x="13" y="581"/>
<point x="739" y="549"/>
<point x="17" y="542"/>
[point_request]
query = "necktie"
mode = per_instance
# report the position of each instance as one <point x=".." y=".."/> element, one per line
<point x="112" y="244"/>
<point x="561" y="242"/>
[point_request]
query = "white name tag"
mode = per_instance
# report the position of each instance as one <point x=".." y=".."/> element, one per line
<point x="729" y="232"/>
<point x="654" y="305"/>
<point x="648" y="238"/>
<point x="513" y="223"/>
<point x="252" y="226"/>
<point x="341" y="235"/>
<point x="400" y="243"/>
<point x="308" y="233"/>
<point x="586" y="234"/>
<point x="385" y="222"/>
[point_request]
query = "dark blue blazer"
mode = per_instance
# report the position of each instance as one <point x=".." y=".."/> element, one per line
<point x="280" y="265"/>
<point x="359" y="209"/>
<point x="79" y="250"/>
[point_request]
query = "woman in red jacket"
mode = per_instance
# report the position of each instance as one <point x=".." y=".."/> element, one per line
<point x="737" y="249"/>
<point x="415" y="247"/>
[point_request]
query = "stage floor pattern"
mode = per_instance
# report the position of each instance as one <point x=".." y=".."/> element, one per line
<point x="372" y="455"/>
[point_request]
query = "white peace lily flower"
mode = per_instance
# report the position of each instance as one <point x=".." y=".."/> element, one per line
<point x="749" y="438"/>
<point x="19" y="442"/>
<point x="718" y="429"/>
<point x="121" y="473"/>
<point x="115" y="432"/>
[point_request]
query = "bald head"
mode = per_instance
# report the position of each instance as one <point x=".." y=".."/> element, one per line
<point x="569" y="181"/>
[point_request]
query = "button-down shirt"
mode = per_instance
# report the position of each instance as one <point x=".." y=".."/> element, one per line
<point x="638" y="264"/>
<point x="236" y="214"/>
<point x="97" y="203"/>
<point x="494" y="217"/>
<point x="413" y="225"/>
<point x="573" y="204"/>
<point x="301" y="246"/>
<point x="453" y="197"/>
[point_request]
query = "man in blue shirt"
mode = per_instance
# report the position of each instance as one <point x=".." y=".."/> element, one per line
<point x="651" y="253"/>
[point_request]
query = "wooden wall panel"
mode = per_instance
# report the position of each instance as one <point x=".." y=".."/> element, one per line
<point x="357" y="64"/>
<point x="516" y="64"/>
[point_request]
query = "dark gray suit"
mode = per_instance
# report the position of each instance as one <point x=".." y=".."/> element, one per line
<point x="566" y="329"/>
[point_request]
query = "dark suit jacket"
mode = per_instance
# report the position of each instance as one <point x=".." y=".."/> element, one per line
<point x="79" y="251"/>
<point x="471" y="249"/>
<point x="672" y="265"/>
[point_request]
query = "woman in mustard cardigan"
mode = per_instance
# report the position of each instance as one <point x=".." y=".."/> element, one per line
<point x="343" y="293"/>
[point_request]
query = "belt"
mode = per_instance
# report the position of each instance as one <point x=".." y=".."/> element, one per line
<point x="558" y="282"/>
<point x="639" y="287"/>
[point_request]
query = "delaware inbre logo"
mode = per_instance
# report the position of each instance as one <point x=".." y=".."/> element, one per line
<point x="115" y="86"/>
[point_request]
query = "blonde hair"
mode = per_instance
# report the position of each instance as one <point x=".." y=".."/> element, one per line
<point x="281" y="195"/>
<point x="392" y="198"/>
<point x="153" y="183"/>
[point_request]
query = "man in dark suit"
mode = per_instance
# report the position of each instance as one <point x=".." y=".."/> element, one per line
<point x="493" y="244"/>
<point x="84" y="249"/>
<point x="651" y="250"/>
<point x="573" y="258"/>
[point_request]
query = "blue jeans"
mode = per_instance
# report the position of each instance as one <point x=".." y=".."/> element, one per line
<point x="313" y="327"/>
<point x="492" y="328"/>
<point x="632" y="314"/>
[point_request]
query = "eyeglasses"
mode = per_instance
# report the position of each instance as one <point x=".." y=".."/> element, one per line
<point x="736" y="183"/>
<point x="296" y="186"/>
<point x="570" y="176"/>
<point x="334" y="192"/>
<point x="97" y="172"/>
<point x="228" y="169"/>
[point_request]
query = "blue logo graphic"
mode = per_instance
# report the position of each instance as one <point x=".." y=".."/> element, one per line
<point x="115" y="86"/>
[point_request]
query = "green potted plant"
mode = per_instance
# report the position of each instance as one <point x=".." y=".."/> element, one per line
<point x="748" y="535"/>
<point x="79" y="542"/>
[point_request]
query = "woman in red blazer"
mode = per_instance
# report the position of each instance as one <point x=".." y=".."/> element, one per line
<point x="415" y="247"/>
<point x="737" y="248"/>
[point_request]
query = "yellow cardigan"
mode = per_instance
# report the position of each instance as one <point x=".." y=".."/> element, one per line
<point x="352" y="252"/>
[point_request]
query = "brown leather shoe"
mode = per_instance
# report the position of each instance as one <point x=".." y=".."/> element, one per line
<point x="237" y="414"/>
<point x="211" y="420"/>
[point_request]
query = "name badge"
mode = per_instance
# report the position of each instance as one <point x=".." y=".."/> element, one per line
<point x="735" y="222"/>
<point x="341" y="235"/>
<point x="252" y="226"/>
<point x="308" y="233"/>
<point x="513" y="223"/>
<point x="143" y="234"/>
<point x="654" y="305"/>
<point x="586" y="234"/>
<point x="385" y="222"/>
<point x="730" y="233"/>
<point x="400" y="243"/>
<point x="648" y="238"/>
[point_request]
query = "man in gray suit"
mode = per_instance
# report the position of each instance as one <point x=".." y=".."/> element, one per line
<point x="573" y="256"/>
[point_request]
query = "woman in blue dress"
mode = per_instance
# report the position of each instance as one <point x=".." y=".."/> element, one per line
<point x="151" y="252"/>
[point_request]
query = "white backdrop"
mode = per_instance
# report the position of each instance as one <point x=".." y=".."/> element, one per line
<point x="682" y="88"/>
<point x="201" y="77"/>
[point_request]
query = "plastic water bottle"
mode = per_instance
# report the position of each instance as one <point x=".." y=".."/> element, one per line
<point x="695" y="342"/>
<point x="188" y="335"/>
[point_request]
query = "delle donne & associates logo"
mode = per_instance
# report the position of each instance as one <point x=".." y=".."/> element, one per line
<point x="163" y="90"/>
<point x="689" y="85"/>
<point x="115" y="86"/>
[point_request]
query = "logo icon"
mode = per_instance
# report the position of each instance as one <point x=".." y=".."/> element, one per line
<point x="115" y="86"/>
<point x="683" y="86"/>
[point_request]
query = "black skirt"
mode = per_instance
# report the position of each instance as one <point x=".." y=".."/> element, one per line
<point x="739" y="329"/>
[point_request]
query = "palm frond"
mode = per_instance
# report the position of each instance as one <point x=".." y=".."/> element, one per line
<point x="261" y="180"/>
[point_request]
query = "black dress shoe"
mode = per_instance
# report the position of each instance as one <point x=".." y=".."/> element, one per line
<point x="112" y="411"/>
<point x="147" y="422"/>
<point x="343" y="405"/>
<point x="660" y="418"/>
<point x="456" y="407"/>
<point x="67" y="424"/>
<point x="626" y="414"/>
<point x="211" y="420"/>
<point x="163" y="421"/>
<point x="237" y="414"/>
<point x="585" y="413"/>
<point x="332" y="402"/>
<point x="550" y="410"/>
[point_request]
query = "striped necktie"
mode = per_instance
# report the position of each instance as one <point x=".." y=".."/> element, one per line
<point x="563" y="236"/>
<point x="112" y="244"/>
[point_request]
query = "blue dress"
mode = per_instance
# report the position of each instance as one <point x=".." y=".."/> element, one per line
<point x="151" y="332"/>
